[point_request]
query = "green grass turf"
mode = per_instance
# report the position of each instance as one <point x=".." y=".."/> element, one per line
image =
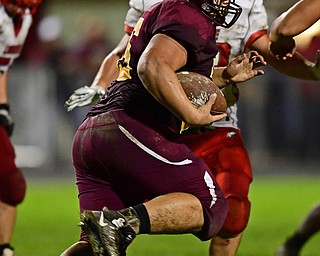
<point x="47" y="220"/>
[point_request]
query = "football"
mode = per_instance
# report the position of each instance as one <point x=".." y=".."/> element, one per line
<point x="198" y="88"/>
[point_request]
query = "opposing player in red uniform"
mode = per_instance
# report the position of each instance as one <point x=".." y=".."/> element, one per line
<point x="291" y="23"/>
<point x="15" y="21"/>
<point x="128" y="151"/>
<point x="220" y="144"/>
<point x="233" y="172"/>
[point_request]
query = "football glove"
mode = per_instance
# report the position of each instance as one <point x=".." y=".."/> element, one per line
<point x="5" y="119"/>
<point x="84" y="96"/>
<point x="231" y="93"/>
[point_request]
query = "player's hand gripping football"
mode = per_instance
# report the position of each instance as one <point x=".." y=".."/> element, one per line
<point x="5" y="119"/>
<point x="84" y="96"/>
<point x="244" y="67"/>
<point x="203" y="115"/>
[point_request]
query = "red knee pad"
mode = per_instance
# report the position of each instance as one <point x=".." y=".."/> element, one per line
<point x="237" y="217"/>
<point x="12" y="187"/>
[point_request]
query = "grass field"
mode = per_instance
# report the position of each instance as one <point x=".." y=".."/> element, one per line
<point x="47" y="220"/>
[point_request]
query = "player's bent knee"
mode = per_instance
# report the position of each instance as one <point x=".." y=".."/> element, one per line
<point x="237" y="217"/>
<point x="213" y="219"/>
<point x="12" y="187"/>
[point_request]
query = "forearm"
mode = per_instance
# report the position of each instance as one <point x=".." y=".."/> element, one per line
<point x="281" y="30"/>
<point x="156" y="69"/>
<point x="108" y="70"/>
<point x="297" y="67"/>
<point x="297" y="19"/>
<point x="107" y="73"/>
<point x="161" y="81"/>
<point x="3" y="88"/>
<point x="220" y="77"/>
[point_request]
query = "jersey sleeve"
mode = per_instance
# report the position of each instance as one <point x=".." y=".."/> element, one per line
<point x="134" y="13"/>
<point x="186" y="25"/>
<point x="11" y="39"/>
<point x="258" y="23"/>
<point x="137" y="7"/>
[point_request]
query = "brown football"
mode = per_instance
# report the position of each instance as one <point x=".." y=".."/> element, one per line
<point x="198" y="88"/>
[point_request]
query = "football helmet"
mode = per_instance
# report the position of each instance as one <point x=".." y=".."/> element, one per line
<point x="19" y="6"/>
<point x="223" y="13"/>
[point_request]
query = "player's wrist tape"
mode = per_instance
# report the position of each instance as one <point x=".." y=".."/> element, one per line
<point x="226" y="77"/>
<point x="5" y="246"/>
<point x="99" y="89"/>
<point x="5" y="119"/>
<point x="5" y="106"/>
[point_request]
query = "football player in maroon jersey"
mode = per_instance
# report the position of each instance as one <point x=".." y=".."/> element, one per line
<point x="16" y="19"/>
<point x="127" y="155"/>
<point x="249" y="32"/>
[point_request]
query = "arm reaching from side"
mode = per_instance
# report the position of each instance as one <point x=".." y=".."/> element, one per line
<point x="291" y="23"/>
<point x="84" y="96"/>
<point x="297" y="66"/>
<point x="240" y="69"/>
<point x="108" y="72"/>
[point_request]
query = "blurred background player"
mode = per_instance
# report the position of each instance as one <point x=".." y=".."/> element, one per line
<point x="308" y="227"/>
<point x="283" y="30"/>
<point x="15" y="21"/>
<point x="221" y="145"/>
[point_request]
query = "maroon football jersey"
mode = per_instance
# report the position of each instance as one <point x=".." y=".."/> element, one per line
<point x="178" y="19"/>
<point x="126" y="151"/>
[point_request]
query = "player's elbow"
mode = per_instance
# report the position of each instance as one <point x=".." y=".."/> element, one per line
<point x="142" y="69"/>
<point x="147" y="69"/>
<point x="282" y="28"/>
<point x="284" y="31"/>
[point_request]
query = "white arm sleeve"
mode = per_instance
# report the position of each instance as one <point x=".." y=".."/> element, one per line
<point x="257" y="20"/>
<point x="137" y="7"/>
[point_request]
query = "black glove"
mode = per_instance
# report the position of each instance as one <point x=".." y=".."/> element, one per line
<point x="5" y="118"/>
